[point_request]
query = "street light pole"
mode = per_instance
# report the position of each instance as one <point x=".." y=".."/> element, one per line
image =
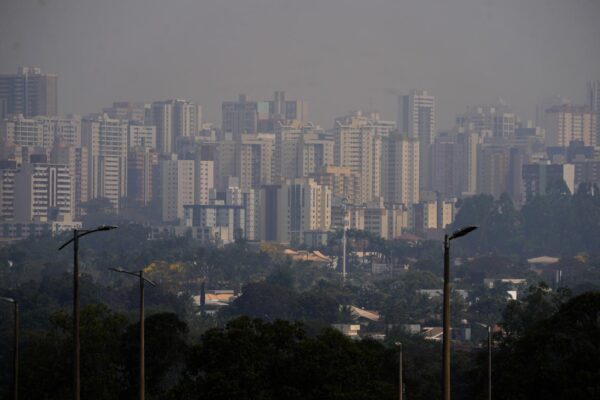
<point x="446" y="328"/>
<point x="140" y="275"/>
<point x="489" y="332"/>
<point x="142" y="341"/>
<point x="76" y="309"/>
<point x="15" y="346"/>
<point x="446" y="323"/>
<point x="400" y="379"/>
<point x="76" y="315"/>
<point x="344" y="239"/>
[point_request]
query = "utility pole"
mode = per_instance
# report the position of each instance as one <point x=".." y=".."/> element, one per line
<point x="76" y="308"/>
<point x="142" y="341"/>
<point x="400" y="378"/>
<point x="446" y="329"/>
<point x="344" y="238"/>
<point x="489" y="331"/>
<point x="76" y="311"/>
<point x="15" y="345"/>
<point x="140" y="275"/>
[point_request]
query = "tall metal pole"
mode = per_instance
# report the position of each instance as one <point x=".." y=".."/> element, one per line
<point x="344" y="240"/>
<point x="400" y="372"/>
<point x="142" y="341"/>
<point x="446" y="328"/>
<point x="489" y="329"/>
<point x="16" y="354"/>
<point x="76" y="345"/>
<point x="344" y="251"/>
<point x="140" y="275"/>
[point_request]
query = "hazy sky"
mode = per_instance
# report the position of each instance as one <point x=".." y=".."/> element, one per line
<point x="337" y="54"/>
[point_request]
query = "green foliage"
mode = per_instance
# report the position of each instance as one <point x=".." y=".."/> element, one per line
<point x="166" y="349"/>
<point x="556" y="357"/>
<point x="250" y="359"/>
<point x="555" y="224"/>
<point x="268" y="301"/>
<point x="539" y="303"/>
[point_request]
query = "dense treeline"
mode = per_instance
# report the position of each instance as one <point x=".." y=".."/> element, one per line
<point x="551" y="350"/>
<point x="557" y="224"/>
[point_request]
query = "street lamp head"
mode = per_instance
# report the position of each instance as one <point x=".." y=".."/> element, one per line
<point x="106" y="227"/>
<point x="8" y="299"/>
<point x="462" y="232"/>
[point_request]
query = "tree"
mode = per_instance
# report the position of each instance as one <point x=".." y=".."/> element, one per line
<point x="556" y="357"/>
<point x="166" y="349"/>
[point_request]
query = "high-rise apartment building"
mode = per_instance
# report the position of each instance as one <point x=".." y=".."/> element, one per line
<point x="358" y="147"/>
<point x="42" y="192"/>
<point x="566" y="123"/>
<point x="106" y="141"/>
<point x="161" y="116"/>
<point x="174" y="119"/>
<point x="29" y="92"/>
<point x="249" y="200"/>
<point x="490" y="120"/>
<point x="225" y="163"/>
<point x="416" y="117"/>
<point x="281" y="109"/>
<point x="342" y="181"/>
<point x="8" y="169"/>
<point x="454" y="163"/>
<point x="538" y="179"/>
<point x="400" y="169"/>
<point x="142" y="175"/>
<point x="204" y="179"/>
<point x="40" y="131"/>
<point x="249" y="117"/>
<point x="254" y="161"/>
<point x="242" y="116"/>
<point x="18" y="130"/>
<point x="594" y="104"/>
<point x="493" y="170"/>
<point x="177" y="179"/>
<point x="125" y="110"/>
<point x="187" y="119"/>
<point x="295" y="207"/>
<point x="299" y="151"/>
<point x="142" y="136"/>
<point x="77" y="161"/>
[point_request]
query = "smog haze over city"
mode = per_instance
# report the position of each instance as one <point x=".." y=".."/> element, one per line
<point x="309" y="199"/>
<point x="340" y="55"/>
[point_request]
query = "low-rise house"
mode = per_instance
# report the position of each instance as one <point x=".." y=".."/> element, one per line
<point x="350" y="330"/>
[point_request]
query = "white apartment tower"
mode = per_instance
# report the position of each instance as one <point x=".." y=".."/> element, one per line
<point x="43" y="192"/>
<point x="204" y="180"/>
<point x="254" y="161"/>
<point x="177" y="187"/>
<point x="8" y="169"/>
<point x="249" y="199"/>
<point x="143" y="136"/>
<point x="106" y="141"/>
<point x="359" y="147"/>
<point x="566" y="123"/>
<point x="416" y="117"/>
<point x="77" y="160"/>
<point x="594" y="103"/>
